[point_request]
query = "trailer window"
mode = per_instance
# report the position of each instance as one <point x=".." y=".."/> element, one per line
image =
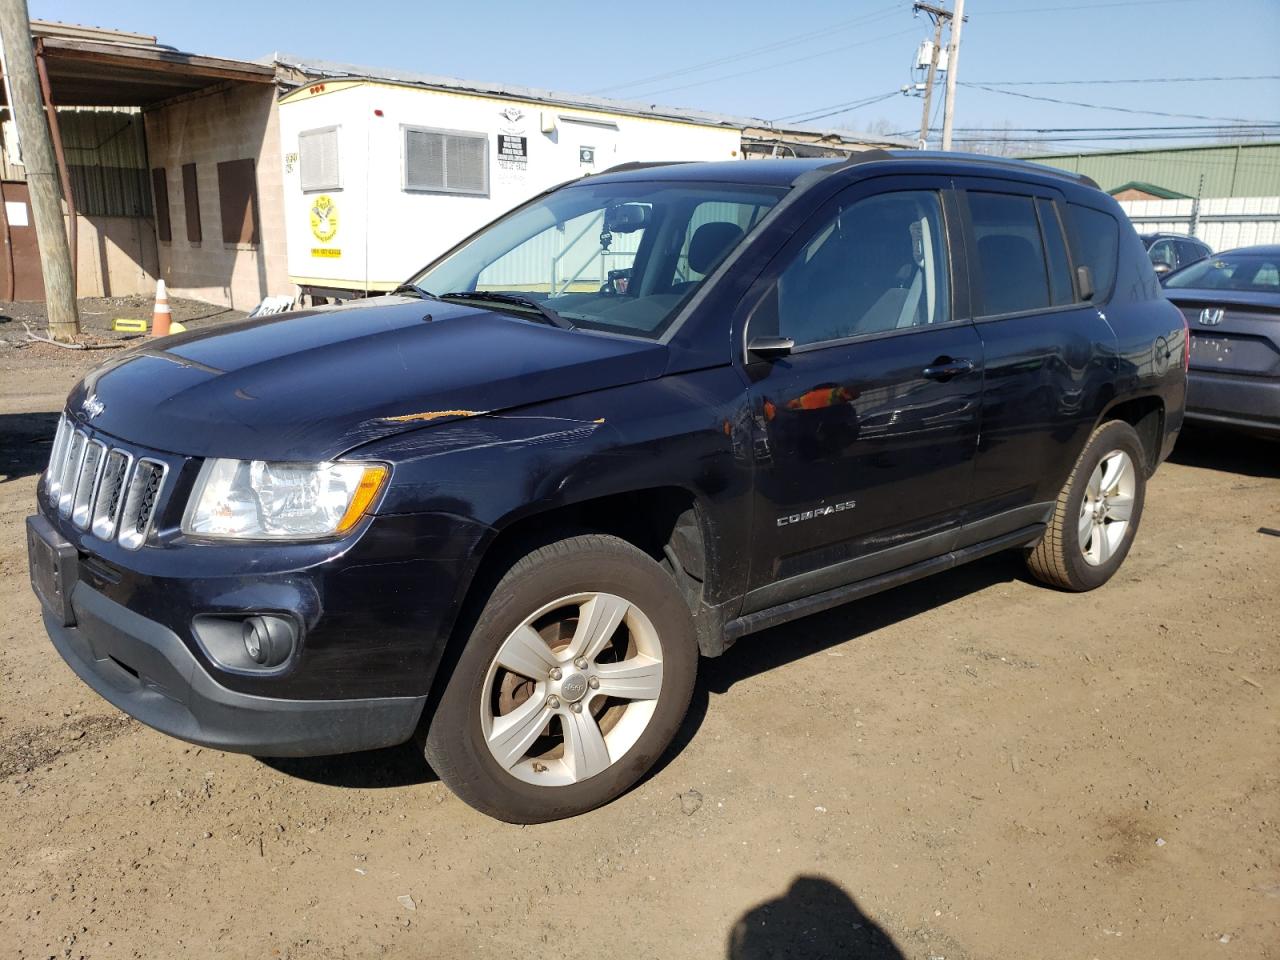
<point x="446" y="161"/>
<point x="318" y="159"/>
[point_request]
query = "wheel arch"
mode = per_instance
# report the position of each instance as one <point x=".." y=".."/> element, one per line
<point x="1146" y="414"/>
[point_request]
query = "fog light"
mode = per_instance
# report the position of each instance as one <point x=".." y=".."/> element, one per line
<point x="268" y="640"/>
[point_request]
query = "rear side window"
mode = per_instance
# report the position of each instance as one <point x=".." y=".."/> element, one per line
<point x="1095" y="238"/>
<point x="1011" y="263"/>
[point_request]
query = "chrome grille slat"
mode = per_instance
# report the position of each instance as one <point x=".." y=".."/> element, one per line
<point x="53" y="475"/>
<point x="110" y="497"/>
<point x="87" y="484"/>
<point x="140" y="502"/>
<point x="71" y="471"/>
<point x="103" y="489"/>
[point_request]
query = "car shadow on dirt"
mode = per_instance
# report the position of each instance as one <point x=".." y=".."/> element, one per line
<point x="25" y="442"/>
<point x="851" y="622"/>
<point x="400" y="766"/>
<point x="1227" y="451"/>
<point x="815" y="919"/>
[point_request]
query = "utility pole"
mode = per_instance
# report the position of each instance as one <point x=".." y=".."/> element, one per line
<point x="953" y="68"/>
<point x="42" y="172"/>
<point x="939" y="15"/>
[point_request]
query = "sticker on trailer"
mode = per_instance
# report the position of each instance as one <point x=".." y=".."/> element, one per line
<point x="324" y="218"/>
<point x="326" y="252"/>
<point x="513" y="152"/>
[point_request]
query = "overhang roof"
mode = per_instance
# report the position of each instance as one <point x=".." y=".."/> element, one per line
<point x="85" y="73"/>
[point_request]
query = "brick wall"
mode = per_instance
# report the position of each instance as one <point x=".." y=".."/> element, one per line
<point x="236" y="121"/>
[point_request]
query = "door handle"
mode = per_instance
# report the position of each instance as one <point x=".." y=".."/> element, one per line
<point x="944" y="368"/>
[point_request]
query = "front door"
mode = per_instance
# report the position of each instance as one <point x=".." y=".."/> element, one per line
<point x="866" y="432"/>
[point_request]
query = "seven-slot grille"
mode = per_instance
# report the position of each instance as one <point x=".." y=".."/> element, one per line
<point x="102" y="489"/>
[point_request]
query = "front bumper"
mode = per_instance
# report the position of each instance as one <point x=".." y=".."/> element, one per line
<point x="147" y="671"/>
<point x="1242" y="402"/>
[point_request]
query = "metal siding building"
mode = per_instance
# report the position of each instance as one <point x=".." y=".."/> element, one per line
<point x="1239" y="170"/>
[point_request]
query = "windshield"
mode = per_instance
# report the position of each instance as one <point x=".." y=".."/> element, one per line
<point x="621" y="257"/>
<point x="1228" y="271"/>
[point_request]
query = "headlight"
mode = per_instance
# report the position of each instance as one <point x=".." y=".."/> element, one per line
<point x="259" y="500"/>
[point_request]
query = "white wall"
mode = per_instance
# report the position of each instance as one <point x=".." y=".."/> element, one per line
<point x="386" y="233"/>
<point x="1223" y="223"/>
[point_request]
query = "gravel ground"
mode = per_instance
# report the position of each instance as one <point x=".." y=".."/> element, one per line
<point x="972" y="766"/>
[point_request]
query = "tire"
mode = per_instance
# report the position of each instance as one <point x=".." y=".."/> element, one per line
<point x="1079" y="551"/>
<point x="565" y="596"/>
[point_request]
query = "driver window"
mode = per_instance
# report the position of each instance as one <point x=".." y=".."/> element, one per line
<point x="1162" y="252"/>
<point x="877" y="265"/>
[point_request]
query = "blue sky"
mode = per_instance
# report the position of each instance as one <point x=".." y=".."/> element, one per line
<point x="822" y="53"/>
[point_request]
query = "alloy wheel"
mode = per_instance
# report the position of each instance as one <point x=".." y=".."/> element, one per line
<point x="571" y="689"/>
<point x="1107" y="507"/>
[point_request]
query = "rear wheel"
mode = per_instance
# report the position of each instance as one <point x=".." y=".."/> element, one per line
<point x="1097" y="513"/>
<point x="574" y="680"/>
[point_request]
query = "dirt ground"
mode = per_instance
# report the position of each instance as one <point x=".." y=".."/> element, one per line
<point x="972" y="766"/>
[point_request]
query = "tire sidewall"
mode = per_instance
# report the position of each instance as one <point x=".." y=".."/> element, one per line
<point x="456" y="725"/>
<point x="1114" y="436"/>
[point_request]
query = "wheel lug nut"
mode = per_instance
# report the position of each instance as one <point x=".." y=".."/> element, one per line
<point x="553" y="703"/>
<point x="576" y="708"/>
<point x="555" y="673"/>
<point x="580" y="663"/>
<point x="594" y="683"/>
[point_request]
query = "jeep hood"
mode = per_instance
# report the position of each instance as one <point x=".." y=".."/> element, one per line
<point x="314" y="384"/>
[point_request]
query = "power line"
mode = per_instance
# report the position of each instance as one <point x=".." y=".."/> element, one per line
<point x="1088" y="6"/>
<point x="837" y="107"/>
<point x="781" y="63"/>
<point x="1067" y="83"/>
<point x="838" y="27"/>
<point x="1102" y="106"/>
<point x="840" y="108"/>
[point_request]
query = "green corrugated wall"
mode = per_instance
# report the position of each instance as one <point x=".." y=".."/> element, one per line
<point x="1244" y="170"/>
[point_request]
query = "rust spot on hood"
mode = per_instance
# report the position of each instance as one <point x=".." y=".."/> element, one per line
<point x="433" y="415"/>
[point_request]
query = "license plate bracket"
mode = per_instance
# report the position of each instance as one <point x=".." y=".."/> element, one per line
<point x="53" y="563"/>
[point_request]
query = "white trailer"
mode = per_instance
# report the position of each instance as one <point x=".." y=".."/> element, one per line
<point x="381" y="176"/>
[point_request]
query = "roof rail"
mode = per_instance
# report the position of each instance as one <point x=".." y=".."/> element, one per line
<point x="1008" y="163"/>
<point x="641" y="165"/>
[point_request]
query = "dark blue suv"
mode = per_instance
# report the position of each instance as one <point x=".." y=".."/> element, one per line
<point x="507" y="508"/>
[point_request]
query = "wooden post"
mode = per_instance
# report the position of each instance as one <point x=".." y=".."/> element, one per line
<point x="42" y="174"/>
<point x="55" y="129"/>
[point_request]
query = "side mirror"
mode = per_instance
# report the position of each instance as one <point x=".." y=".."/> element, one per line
<point x="1084" y="281"/>
<point x="770" y="348"/>
<point x="1162" y="268"/>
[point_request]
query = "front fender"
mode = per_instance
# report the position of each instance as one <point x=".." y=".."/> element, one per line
<point x="681" y="431"/>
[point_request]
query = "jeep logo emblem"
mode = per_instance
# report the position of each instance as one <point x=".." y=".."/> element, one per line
<point x="92" y="406"/>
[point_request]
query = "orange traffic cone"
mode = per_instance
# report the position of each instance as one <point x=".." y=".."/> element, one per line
<point x="161" y="316"/>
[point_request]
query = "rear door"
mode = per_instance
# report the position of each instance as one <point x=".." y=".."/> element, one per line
<point x="864" y="436"/>
<point x="1049" y="356"/>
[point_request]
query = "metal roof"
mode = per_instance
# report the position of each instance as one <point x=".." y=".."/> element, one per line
<point x="1228" y="170"/>
<point x="90" y="73"/>
<point x="348" y="71"/>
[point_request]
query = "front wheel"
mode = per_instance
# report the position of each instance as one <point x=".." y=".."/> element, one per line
<point x="573" y="681"/>
<point x="1097" y="513"/>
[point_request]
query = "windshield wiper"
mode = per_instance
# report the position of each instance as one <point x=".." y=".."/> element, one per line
<point x="413" y="290"/>
<point x="515" y="300"/>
